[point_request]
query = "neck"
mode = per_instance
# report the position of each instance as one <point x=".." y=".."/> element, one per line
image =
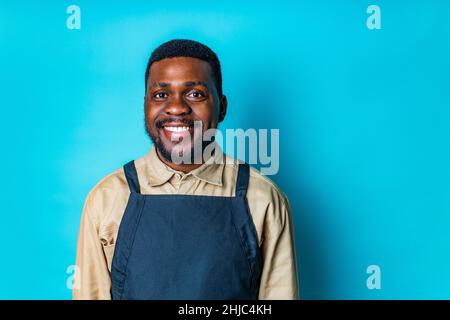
<point x="185" y="168"/>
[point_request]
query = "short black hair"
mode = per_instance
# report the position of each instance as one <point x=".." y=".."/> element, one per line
<point x="187" y="48"/>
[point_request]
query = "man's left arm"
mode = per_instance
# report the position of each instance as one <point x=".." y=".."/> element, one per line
<point x="279" y="279"/>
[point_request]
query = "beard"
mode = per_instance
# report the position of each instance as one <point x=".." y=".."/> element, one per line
<point x="185" y="152"/>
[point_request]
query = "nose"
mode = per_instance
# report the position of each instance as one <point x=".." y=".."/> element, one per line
<point x="177" y="106"/>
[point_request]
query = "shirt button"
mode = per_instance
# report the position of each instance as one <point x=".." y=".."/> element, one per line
<point x="178" y="176"/>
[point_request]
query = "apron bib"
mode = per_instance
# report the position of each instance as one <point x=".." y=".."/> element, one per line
<point x="184" y="247"/>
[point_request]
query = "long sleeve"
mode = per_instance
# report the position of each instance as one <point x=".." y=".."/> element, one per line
<point x="279" y="279"/>
<point x="107" y="201"/>
<point x="92" y="279"/>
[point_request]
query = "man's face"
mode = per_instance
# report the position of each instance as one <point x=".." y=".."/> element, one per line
<point x="180" y="91"/>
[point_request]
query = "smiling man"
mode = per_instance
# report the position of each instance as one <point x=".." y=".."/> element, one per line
<point x="160" y="228"/>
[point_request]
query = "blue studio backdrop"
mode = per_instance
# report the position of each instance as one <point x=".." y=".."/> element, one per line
<point x="363" y="114"/>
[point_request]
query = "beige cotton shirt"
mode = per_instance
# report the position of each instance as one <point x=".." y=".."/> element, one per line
<point x="106" y="202"/>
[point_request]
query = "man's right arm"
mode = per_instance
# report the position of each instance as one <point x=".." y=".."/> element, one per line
<point x="92" y="278"/>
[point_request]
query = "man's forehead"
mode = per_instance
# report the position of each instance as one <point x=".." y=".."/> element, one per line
<point x="190" y="83"/>
<point x="180" y="65"/>
<point x="179" y="70"/>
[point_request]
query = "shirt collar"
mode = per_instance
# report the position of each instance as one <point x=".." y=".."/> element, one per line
<point x="159" y="173"/>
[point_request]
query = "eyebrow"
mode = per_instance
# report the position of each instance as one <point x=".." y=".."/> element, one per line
<point x="187" y="84"/>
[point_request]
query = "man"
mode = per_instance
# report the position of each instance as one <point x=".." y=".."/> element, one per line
<point x="166" y="229"/>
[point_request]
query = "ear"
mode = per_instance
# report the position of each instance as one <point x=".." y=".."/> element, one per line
<point x="223" y="108"/>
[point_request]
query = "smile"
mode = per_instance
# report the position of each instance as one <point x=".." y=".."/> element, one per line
<point x="176" y="129"/>
<point x="173" y="131"/>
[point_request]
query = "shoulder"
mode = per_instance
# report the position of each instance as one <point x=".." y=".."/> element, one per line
<point x="265" y="187"/>
<point x="260" y="187"/>
<point x="268" y="204"/>
<point x="266" y="199"/>
<point x="100" y="199"/>
<point x="106" y="194"/>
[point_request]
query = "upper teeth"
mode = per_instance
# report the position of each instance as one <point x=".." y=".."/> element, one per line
<point x="177" y="129"/>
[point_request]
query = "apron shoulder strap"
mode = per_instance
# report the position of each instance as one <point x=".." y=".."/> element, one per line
<point x="242" y="179"/>
<point x="132" y="177"/>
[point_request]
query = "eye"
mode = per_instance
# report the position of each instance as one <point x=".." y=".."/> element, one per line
<point x="196" y="95"/>
<point x="160" y="95"/>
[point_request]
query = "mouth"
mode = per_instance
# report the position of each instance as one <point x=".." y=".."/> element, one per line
<point x="176" y="132"/>
<point x="176" y="129"/>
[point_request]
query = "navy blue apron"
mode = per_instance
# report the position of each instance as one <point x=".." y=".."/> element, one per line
<point x="182" y="247"/>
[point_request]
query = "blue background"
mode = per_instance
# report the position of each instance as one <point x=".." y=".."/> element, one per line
<point x="363" y="115"/>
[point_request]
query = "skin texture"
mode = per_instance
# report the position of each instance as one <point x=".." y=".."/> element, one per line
<point x="180" y="91"/>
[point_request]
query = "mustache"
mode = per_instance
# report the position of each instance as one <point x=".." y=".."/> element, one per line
<point x="187" y="122"/>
